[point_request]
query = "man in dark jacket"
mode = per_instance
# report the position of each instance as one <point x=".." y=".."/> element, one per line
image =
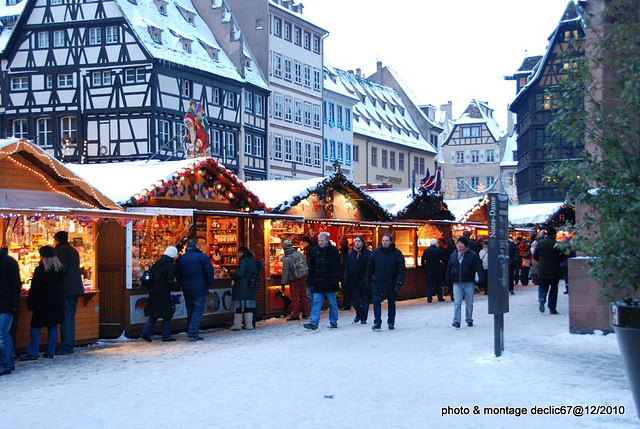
<point x="9" y="306"/>
<point x="432" y="260"/>
<point x="324" y="276"/>
<point x="385" y="274"/>
<point x="72" y="288"/>
<point x="463" y="266"/>
<point x="354" y="272"/>
<point x="195" y="274"/>
<point x="514" y="264"/>
<point x="549" y="257"/>
<point x="160" y="305"/>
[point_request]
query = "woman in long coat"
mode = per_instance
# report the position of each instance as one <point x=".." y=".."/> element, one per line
<point x="160" y="306"/>
<point x="244" y="289"/>
<point x="45" y="301"/>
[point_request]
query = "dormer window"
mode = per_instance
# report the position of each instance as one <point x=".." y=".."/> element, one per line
<point x="156" y="34"/>
<point x="162" y="6"/>
<point x="186" y="44"/>
<point x="213" y="52"/>
<point x="188" y="15"/>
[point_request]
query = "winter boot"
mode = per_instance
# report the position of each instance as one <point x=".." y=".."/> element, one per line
<point x="248" y="321"/>
<point x="237" y="322"/>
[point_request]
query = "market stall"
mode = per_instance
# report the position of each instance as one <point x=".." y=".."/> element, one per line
<point x="331" y="204"/>
<point x="195" y="198"/>
<point x="38" y="197"/>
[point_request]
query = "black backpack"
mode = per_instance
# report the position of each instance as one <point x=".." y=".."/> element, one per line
<point x="147" y="277"/>
<point x="253" y="281"/>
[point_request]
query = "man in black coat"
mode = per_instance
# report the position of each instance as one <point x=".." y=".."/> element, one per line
<point x="324" y="278"/>
<point x="354" y="272"/>
<point x="432" y="260"/>
<point x="72" y="288"/>
<point x="514" y="264"/>
<point x="9" y="306"/>
<point x="385" y="274"/>
<point x="549" y="257"/>
<point x="194" y="272"/>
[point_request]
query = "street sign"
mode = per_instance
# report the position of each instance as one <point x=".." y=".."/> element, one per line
<point x="498" y="281"/>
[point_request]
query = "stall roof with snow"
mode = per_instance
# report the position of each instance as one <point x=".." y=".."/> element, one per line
<point x="406" y="204"/>
<point x="200" y="183"/>
<point x="32" y="180"/>
<point x="330" y="197"/>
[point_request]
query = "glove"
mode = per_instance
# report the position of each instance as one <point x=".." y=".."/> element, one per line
<point x="283" y="287"/>
<point x="397" y="288"/>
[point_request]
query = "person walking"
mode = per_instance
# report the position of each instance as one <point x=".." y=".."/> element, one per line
<point x="45" y="302"/>
<point x="514" y="264"/>
<point x="534" y="264"/>
<point x="160" y="305"/>
<point x="447" y="251"/>
<point x="461" y="271"/>
<point x="309" y="248"/>
<point x="385" y="274"/>
<point x="549" y="257"/>
<point x="525" y="260"/>
<point x="432" y="260"/>
<point x="294" y="274"/>
<point x="245" y="286"/>
<point x="354" y="274"/>
<point x="72" y="288"/>
<point x="323" y="278"/>
<point x="195" y="274"/>
<point x="9" y="307"/>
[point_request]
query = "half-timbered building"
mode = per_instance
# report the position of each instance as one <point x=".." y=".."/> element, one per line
<point x="109" y="80"/>
<point x="471" y="153"/>
<point x="533" y="106"/>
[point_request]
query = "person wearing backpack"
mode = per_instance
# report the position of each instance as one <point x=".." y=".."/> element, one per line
<point x="162" y="281"/>
<point x="245" y="286"/>
<point x="294" y="273"/>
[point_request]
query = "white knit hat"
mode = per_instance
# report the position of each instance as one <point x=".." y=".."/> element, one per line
<point x="171" y="252"/>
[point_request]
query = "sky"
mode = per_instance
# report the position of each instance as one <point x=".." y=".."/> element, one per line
<point x="425" y="373"/>
<point x="442" y="49"/>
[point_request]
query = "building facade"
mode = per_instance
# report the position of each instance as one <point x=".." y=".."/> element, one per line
<point x="388" y="147"/>
<point x="111" y="80"/>
<point x="533" y="106"/>
<point x="290" y="48"/>
<point x="471" y="154"/>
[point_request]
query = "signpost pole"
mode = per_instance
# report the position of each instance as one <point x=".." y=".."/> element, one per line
<point x="497" y="216"/>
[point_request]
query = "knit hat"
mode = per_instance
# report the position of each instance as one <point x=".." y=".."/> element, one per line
<point x="286" y="244"/>
<point x="47" y="252"/>
<point x="61" y="236"/>
<point x="171" y="252"/>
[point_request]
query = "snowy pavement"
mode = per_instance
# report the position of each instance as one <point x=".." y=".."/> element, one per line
<point x="281" y="375"/>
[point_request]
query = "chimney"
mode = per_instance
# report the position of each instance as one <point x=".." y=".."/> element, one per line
<point x="379" y="66"/>
<point x="447" y="109"/>
<point x="358" y="72"/>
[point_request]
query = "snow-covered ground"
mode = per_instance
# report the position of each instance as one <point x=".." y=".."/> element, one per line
<point x="281" y="375"/>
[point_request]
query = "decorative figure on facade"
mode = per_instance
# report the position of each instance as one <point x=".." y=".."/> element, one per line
<point x="196" y="139"/>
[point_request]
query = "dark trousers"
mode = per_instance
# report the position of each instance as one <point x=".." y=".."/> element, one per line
<point x="524" y="276"/>
<point x="513" y="276"/>
<point x="68" y="326"/>
<point x="391" y="309"/>
<point x="360" y="301"/>
<point x="438" y="287"/>
<point x="550" y="287"/>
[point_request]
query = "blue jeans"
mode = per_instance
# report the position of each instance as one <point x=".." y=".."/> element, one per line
<point x="377" y="309"/>
<point x="463" y="290"/>
<point x="318" y="299"/>
<point x="68" y="326"/>
<point x="549" y="286"/>
<point x="148" y="327"/>
<point x="360" y="302"/>
<point x="7" y="357"/>
<point x="34" y="341"/>
<point x="195" y="308"/>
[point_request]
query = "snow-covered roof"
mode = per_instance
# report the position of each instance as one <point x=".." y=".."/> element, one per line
<point x="9" y="12"/>
<point x="144" y="14"/>
<point x="391" y="199"/>
<point x="332" y="84"/>
<point x="526" y="214"/>
<point x="77" y="193"/>
<point x="381" y="113"/>
<point x="511" y="145"/>
<point x="121" y="180"/>
<point x="411" y="96"/>
<point x="460" y="207"/>
<point x="479" y="112"/>
<point x="276" y="192"/>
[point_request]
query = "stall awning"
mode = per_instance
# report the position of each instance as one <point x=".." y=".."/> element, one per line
<point x="63" y="211"/>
